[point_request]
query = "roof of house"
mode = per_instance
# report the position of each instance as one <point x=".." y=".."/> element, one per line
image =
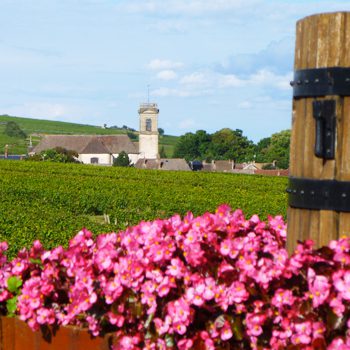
<point x="223" y="165"/>
<point x="174" y="164"/>
<point x="163" y="164"/>
<point x="95" y="146"/>
<point x="88" y="144"/>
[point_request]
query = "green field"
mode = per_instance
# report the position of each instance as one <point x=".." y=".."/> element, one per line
<point x="37" y="127"/>
<point x="52" y="201"/>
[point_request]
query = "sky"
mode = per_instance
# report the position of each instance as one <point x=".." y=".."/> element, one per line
<point x="208" y="64"/>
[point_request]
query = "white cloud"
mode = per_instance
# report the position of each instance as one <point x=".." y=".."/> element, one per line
<point x="166" y="75"/>
<point x="170" y="26"/>
<point x="245" y="105"/>
<point x="187" y="124"/>
<point x="185" y="7"/>
<point x="267" y="103"/>
<point x="208" y="82"/>
<point x="230" y="80"/>
<point x="158" y="64"/>
<point x="269" y="79"/>
<point x="180" y="92"/>
<point x="44" y="110"/>
<point x="194" y="79"/>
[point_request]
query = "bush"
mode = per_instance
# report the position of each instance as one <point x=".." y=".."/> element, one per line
<point x="56" y="155"/>
<point x="217" y="281"/>
<point x="122" y="160"/>
<point x="13" y="130"/>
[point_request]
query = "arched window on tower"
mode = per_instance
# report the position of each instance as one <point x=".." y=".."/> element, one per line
<point x="148" y="124"/>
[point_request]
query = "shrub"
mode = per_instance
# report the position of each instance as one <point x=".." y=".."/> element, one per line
<point x="13" y="130"/>
<point x="217" y="281"/>
<point x="122" y="160"/>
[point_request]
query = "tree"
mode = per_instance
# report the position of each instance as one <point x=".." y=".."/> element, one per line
<point x="162" y="153"/>
<point x="193" y="146"/>
<point x="278" y="149"/>
<point x="13" y="130"/>
<point x="231" y="144"/>
<point x="122" y="160"/>
<point x="261" y="149"/>
<point x="161" y="131"/>
<point x="132" y="135"/>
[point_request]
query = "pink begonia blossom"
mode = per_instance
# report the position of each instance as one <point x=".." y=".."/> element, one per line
<point x="302" y="333"/>
<point x="226" y="331"/>
<point x="255" y="323"/>
<point x="214" y="281"/>
<point x="339" y="344"/>
<point x="185" y="344"/>
<point x="342" y="284"/>
<point x="319" y="287"/>
<point x="283" y="297"/>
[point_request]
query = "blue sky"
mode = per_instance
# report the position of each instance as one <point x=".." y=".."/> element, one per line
<point x="209" y="64"/>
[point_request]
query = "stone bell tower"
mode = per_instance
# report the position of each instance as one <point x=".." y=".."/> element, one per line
<point x="148" y="140"/>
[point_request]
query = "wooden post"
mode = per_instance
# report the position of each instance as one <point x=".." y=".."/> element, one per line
<point x="317" y="210"/>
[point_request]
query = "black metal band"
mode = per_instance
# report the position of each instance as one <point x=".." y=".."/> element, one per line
<point x="306" y="193"/>
<point x="317" y="82"/>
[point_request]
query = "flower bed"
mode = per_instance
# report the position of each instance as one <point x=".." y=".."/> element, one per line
<point x="217" y="281"/>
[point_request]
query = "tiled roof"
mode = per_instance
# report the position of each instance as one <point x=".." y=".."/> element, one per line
<point x="174" y="164"/>
<point x="163" y="164"/>
<point x="95" y="146"/>
<point x="88" y="144"/>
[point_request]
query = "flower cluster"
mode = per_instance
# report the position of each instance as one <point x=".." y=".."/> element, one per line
<point x="218" y="281"/>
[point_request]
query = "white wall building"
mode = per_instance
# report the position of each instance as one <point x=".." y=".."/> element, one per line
<point x="103" y="149"/>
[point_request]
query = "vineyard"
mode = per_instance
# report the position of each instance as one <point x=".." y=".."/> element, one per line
<point x="52" y="202"/>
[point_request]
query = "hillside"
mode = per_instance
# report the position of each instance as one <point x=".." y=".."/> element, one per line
<point x="36" y="127"/>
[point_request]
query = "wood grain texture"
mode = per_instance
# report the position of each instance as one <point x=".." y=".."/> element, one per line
<point x="321" y="41"/>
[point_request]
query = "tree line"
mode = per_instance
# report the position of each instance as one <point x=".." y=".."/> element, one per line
<point x="228" y="144"/>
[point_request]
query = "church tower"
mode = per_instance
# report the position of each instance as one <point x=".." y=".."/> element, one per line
<point x="148" y="140"/>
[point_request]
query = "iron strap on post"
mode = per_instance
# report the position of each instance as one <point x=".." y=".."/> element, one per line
<point x="317" y="82"/>
<point x="306" y="193"/>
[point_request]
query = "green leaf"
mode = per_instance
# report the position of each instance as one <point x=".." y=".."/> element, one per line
<point x="11" y="305"/>
<point x="13" y="283"/>
<point x="169" y="340"/>
<point x="149" y="320"/>
<point x="36" y="261"/>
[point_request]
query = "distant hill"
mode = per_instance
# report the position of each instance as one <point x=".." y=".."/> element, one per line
<point x="38" y="127"/>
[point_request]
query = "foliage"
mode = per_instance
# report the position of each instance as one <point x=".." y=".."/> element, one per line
<point x="122" y="160"/>
<point x="217" y="281"/>
<point x="161" y="131"/>
<point x="132" y="135"/>
<point x="52" y="201"/>
<point x="231" y="144"/>
<point x="162" y="153"/>
<point x="223" y="144"/>
<point x="193" y="146"/>
<point x="57" y="155"/>
<point x="276" y="148"/>
<point x="261" y="148"/>
<point x="13" y="130"/>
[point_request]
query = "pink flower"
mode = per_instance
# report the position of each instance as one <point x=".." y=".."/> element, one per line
<point x="254" y="324"/>
<point x="185" y="344"/>
<point x="319" y="288"/>
<point x="342" y="284"/>
<point x="176" y="268"/>
<point x="302" y="333"/>
<point x="282" y="297"/>
<point x="226" y="331"/>
<point x="226" y="247"/>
